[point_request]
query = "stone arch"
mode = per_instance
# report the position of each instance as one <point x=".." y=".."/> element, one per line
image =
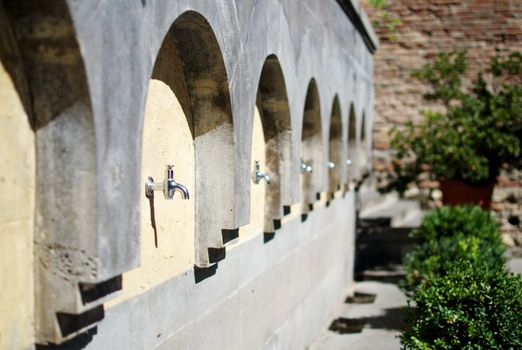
<point x="274" y="25"/>
<point x="69" y="254"/>
<point x="311" y="148"/>
<point x="273" y="107"/>
<point x="335" y="149"/>
<point x="190" y="63"/>
<point x="352" y="144"/>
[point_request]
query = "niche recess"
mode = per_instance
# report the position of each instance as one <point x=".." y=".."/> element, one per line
<point x="311" y="149"/>
<point x="190" y="63"/>
<point x="363" y="148"/>
<point x="335" y="149"/>
<point x="352" y="146"/>
<point x="272" y="104"/>
<point x="167" y="226"/>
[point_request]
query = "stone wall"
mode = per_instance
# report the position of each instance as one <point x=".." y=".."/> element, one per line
<point x="101" y="95"/>
<point x="482" y="27"/>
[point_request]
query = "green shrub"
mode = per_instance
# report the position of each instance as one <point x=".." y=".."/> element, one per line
<point x="467" y="308"/>
<point x="449" y="221"/>
<point x="434" y="258"/>
<point x="462" y="234"/>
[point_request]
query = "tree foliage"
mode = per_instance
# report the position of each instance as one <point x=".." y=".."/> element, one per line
<point x="478" y="133"/>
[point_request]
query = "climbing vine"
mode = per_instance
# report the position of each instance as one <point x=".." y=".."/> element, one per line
<point x="385" y="19"/>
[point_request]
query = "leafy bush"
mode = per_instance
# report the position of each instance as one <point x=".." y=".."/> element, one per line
<point x="468" y="308"/>
<point x="433" y="259"/>
<point x="459" y="292"/>
<point x="449" y="235"/>
<point x="449" y="221"/>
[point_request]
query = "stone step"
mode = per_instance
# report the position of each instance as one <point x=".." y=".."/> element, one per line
<point x="370" y="199"/>
<point x="402" y="213"/>
<point x="383" y="232"/>
<point x="391" y="273"/>
<point x="381" y="246"/>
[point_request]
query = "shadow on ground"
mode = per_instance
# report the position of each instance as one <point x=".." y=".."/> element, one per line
<point x="392" y="319"/>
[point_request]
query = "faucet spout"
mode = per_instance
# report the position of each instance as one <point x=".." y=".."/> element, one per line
<point x="182" y="190"/>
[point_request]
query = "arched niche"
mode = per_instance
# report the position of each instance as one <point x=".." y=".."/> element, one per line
<point x="72" y="263"/>
<point x="311" y="149"/>
<point x="335" y="149"/>
<point x="363" y="147"/>
<point x="352" y="145"/>
<point x="190" y="65"/>
<point x="274" y="112"/>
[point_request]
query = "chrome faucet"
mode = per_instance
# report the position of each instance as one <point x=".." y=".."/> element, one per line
<point x="258" y="175"/>
<point x="306" y="168"/>
<point x="169" y="186"/>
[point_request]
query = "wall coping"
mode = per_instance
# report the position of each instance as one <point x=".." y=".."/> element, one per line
<point x="359" y="18"/>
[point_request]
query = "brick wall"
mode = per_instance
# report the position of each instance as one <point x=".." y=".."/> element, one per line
<point x="482" y="27"/>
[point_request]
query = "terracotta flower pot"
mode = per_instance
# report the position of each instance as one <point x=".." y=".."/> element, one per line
<point x="455" y="192"/>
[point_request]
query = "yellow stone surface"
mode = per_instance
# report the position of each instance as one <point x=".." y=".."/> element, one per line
<point x="17" y="188"/>
<point x="166" y="140"/>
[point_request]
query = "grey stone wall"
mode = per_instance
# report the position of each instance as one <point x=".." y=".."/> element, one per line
<point x="88" y="64"/>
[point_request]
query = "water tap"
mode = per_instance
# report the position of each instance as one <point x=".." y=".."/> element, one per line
<point x="169" y="186"/>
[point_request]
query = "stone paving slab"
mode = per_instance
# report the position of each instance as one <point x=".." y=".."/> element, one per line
<point x="383" y="321"/>
<point x="515" y="265"/>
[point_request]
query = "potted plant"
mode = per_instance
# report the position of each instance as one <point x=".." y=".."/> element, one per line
<point x="475" y="132"/>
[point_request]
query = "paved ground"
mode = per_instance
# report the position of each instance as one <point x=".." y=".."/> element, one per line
<point x="382" y="321"/>
<point x="515" y="265"/>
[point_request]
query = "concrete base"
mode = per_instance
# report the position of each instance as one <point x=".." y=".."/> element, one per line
<point x="269" y="295"/>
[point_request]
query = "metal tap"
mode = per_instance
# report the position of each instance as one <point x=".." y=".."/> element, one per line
<point x="306" y="168"/>
<point x="258" y="175"/>
<point x="169" y="186"/>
